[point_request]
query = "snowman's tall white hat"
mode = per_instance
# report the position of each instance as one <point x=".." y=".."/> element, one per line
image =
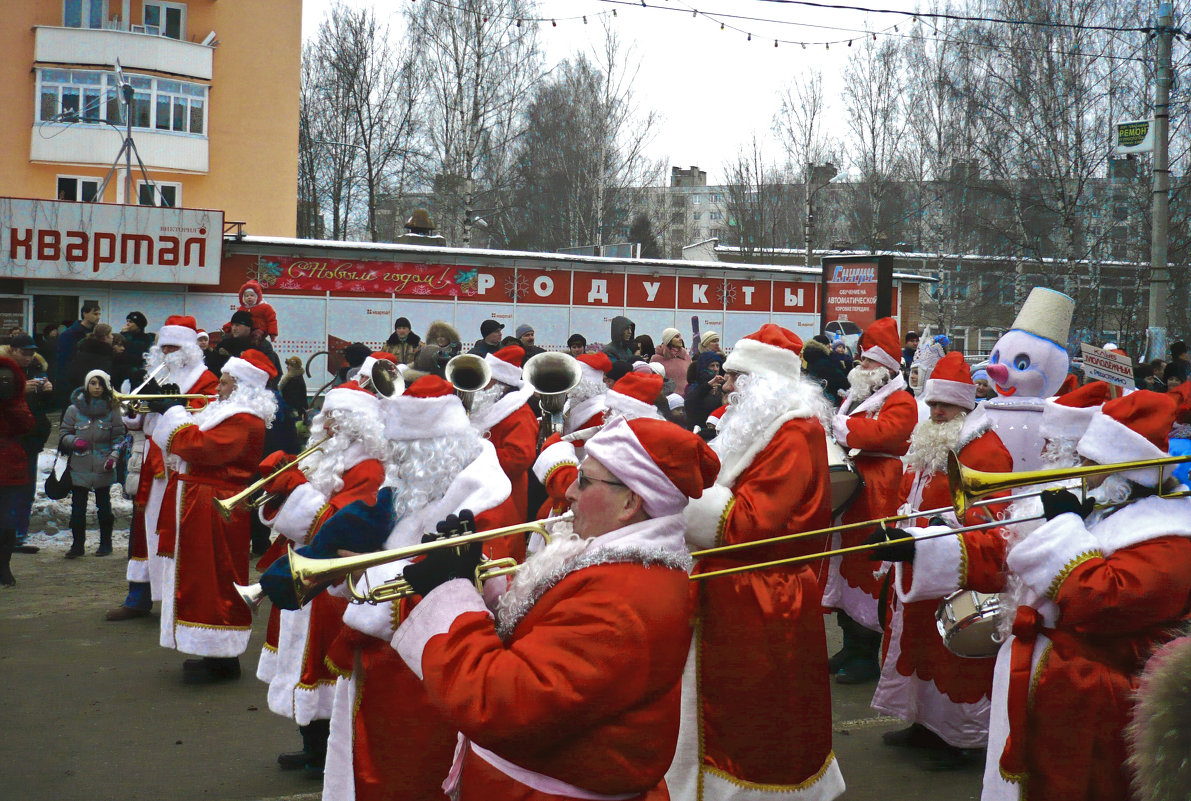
<point x="1047" y="314"/>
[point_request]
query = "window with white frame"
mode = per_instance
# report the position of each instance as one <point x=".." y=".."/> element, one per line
<point x="159" y="194"/>
<point x="84" y="13"/>
<point x="77" y="188"/>
<point x="90" y="96"/>
<point x="165" y="19"/>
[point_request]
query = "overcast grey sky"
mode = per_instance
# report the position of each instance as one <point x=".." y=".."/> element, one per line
<point x="713" y="88"/>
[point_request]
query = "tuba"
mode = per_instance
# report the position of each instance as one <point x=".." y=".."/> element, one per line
<point x="551" y="376"/>
<point x="469" y="374"/>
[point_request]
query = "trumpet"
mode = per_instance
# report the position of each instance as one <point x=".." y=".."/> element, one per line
<point x="310" y="575"/>
<point x="139" y="404"/>
<point x="469" y="374"/>
<point x="551" y="376"/>
<point x="244" y="497"/>
<point x="966" y="486"/>
<point x="383" y="379"/>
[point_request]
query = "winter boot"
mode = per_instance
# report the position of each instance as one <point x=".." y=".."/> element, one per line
<point x="314" y="738"/>
<point x="138" y="603"/>
<point x="863" y="666"/>
<point x="8" y="541"/>
<point x="845" y="653"/>
<point x="105" y="536"/>
<point x="76" y="547"/>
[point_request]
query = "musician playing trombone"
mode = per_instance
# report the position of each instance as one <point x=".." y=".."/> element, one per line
<point x="1090" y="593"/>
<point x="756" y="695"/>
<point x="347" y="467"/>
<point x="217" y="452"/>
<point x="175" y="364"/>
<point x="944" y="697"/>
<point x="570" y="687"/>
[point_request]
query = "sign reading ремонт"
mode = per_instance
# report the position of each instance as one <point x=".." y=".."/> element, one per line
<point x="50" y="239"/>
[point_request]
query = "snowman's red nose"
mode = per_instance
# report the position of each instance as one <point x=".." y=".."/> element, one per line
<point x="999" y="373"/>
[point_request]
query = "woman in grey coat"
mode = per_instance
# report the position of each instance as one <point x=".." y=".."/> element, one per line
<point x="91" y="427"/>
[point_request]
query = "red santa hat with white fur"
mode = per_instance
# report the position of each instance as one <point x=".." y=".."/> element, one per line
<point x="251" y="368"/>
<point x="179" y="330"/>
<point x="665" y="465"/>
<point x="506" y="365"/>
<point x="1131" y="428"/>
<point x="594" y="366"/>
<point x="428" y="408"/>
<point x="771" y="349"/>
<point x="1068" y="416"/>
<point x="951" y="382"/>
<point x="882" y="343"/>
<point x="634" y="395"/>
<point x="350" y="397"/>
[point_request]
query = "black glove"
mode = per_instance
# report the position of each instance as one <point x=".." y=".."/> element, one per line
<point x="160" y="405"/>
<point x="900" y="546"/>
<point x="1056" y="502"/>
<point x="167" y="389"/>
<point x="439" y="567"/>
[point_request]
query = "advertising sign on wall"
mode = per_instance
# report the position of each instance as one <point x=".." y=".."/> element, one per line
<point x="50" y="239"/>
<point x="857" y="290"/>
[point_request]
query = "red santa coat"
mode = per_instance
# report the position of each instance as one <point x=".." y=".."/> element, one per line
<point x="301" y="686"/>
<point x="201" y="613"/>
<point x="512" y="428"/>
<point x="144" y="564"/>
<point x="1097" y="597"/>
<point x="380" y="707"/>
<point x="921" y="681"/>
<point x="879" y="427"/>
<point x="758" y="712"/>
<point x="548" y="700"/>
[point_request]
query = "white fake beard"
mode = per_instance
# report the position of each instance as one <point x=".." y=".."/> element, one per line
<point x="177" y="364"/>
<point x="1060" y="452"/>
<point x="1114" y="489"/>
<point x="485" y="399"/>
<point x="866" y="382"/>
<point x="562" y="549"/>
<point x="260" y="401"/>
<point x="760" y="399"/>
<point x="586" y="390"/>
<point x="930" y="442"/>
<point x="420" y="471"/>
<point x="324" y="469"/>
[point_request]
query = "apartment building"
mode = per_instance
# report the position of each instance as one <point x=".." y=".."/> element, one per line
<point x="213" y="86"/>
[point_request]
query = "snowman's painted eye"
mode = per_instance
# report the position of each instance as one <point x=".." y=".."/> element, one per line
<point x="996" y="357"/>
<point x="1021" y="361"/>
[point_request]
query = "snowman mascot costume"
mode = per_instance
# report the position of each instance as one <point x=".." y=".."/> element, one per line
<point x="1027" y="365"/>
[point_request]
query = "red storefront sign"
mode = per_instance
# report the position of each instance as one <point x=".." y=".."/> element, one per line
<point x="794" y="296"/>
<point x="597" y="289"/>
<point x="651" y="291"/>
<point x="747" y="295"/>
<point x="542" y="286"/>
<point x="403" y="279"/>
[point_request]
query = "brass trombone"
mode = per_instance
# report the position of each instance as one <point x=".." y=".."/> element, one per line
<point x="244" y="497"/>
<point x="311" y="575"/>
<point x="966" y="486"/>
<point x="469" y="374"/>
<point x="139" y="404"/>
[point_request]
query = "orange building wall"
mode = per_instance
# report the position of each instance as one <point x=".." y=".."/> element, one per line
<point x="252" y="125"/>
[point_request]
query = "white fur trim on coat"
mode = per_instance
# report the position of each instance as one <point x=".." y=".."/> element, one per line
<point x="938" y="566"/>
<point x="1049" y="552"/>
<point x="497" y="412"/>
<point x="705" y="515"/>
<point x="434" y="615"/>
<point x="297" y="514"/>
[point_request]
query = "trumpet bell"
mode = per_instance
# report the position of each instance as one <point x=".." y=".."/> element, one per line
<point x="252" y="595"/>
<point x="469" y="374"/>
<point x="552" y="376"/>
<point x="386" y="379"/>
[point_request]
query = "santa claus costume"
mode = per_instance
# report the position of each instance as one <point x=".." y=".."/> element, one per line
<point x="756" y="719"/>
<point x="184" y="368"/>
<point x="921" y="681"/>
<point x="874" y="422"/>
<point x="218" y="450"/>
<point x="569" y="619"/>
<point x="349" y="468"/>
<point x="1091" y="594"/>
<point x="502" y="414"/>
<point x="437" y="465"/>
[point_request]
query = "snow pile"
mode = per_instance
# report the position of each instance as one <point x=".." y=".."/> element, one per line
<point x="49" y="520"/>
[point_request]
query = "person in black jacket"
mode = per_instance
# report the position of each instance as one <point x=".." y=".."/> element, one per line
<point x="827" y="371"/>
<point x="293" y="388"/>
<point x="94" y="352"/>
<point x="704" y="394"/>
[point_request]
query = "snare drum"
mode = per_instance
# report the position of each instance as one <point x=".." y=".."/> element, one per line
<point x="845" y="479"/>
<point x="968" y="620"/>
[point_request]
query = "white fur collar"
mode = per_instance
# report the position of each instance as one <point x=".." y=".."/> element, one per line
<point x="223" y="411"/>
<point x="1142" y="520"/>
<point x="975" y="426"/>
<point x="480" y="486"/>
<point x="497" y="412"/>
<point x="876" y="400"/>
<point x="576" y="417"/>
<point x="731" y="467"/>
<point x="187" y="380"/>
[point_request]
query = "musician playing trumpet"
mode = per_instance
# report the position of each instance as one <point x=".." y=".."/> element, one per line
<point x="944" y="697"/>
<point x="1090" y="593"/>
<point x="217" y="452"/>
<point x="570" y="688"/>
<point x="347" y="467"/>
<point x="756" y="696"/>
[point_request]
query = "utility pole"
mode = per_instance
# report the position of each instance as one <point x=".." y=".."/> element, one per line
<point x="1160" y="235"/>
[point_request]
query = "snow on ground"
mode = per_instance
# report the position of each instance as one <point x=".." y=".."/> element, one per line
<point x="49" y="522"/>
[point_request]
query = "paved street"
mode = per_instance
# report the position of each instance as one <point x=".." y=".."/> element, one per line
<point x="97" y="710"/>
